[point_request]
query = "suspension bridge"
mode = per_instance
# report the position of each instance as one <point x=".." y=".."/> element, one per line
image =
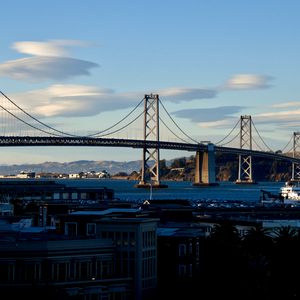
<point x="20" y="128"/>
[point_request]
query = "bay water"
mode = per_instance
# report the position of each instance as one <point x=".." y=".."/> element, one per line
<point x="226" y="191"/>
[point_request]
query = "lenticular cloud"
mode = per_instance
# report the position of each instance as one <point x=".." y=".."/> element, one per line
<point x="39" y="68"/>
<point x="48" y="61"/>
<point x="248" y="81"/>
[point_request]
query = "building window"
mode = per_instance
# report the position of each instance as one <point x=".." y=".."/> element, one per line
<point x="32" y="271"/>
<point x="197" y="250"/>
<point x="71" y="229"/>
<point x="74" y="196"/>
<point x="6" y="271"/>
<point x="65" y="196"/>
<point x="60" y="271"/>
<point x="190" y="270"/>
<point x="181" y="270"/>
<point x="56" y="196"/>
<point x="90" y="229"/>
<point x="182" y="250"/>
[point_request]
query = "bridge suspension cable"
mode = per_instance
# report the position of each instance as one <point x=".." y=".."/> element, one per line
<point x="161" y="120"/>
<point x="235" y="137"/>
<point x="32" y="117"/>
<point x="284" y="148"/>
<point x="32" y="126"/>
<point x="13" y="110"/>
<point x="118" y="130"/>
<point x="260" y="138"/>
<point x="62" y="133"/>
<point x="257" y="145"/>
<point x="189" y="137"/>
<point x="217" y="143"/>
<point x="99" y="133"/>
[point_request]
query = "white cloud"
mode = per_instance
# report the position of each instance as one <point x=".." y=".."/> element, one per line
<point x="287" y="104"/>
<point x="40" y="68"/>
<point x="282" y="115"/>
<point x="216" y="124"/>
<point x="73" y="100"/>
<point x="178" y="94"/>
<point x="82" y="100"/>
<point x="39" y="49"/>
<point x="205" y="115"/>
<point x="282" y="119"/>
<point x="247" y="81"/>
<point x="48" y="61"/>
<point x="49" y="48"/>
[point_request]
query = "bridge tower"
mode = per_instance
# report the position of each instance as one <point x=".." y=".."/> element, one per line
<point x="150" y="174"/>
<point x="295" y="166"/>
<point x="245" y="161"/>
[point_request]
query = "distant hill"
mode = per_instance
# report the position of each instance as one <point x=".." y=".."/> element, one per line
<point x="112" y="167"/>
<point x="177" y="169"/>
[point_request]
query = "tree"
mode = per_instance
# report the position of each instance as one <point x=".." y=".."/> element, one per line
<point x="223" y="261"/>
<point x="285" y="263"/>
<point x="257" y="246"/>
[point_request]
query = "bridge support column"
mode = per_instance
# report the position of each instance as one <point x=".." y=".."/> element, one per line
<point x="150" y="174"/>
<point x="205" y="173"/>
<point x="245" y="161"/>
<point x="295" y="166"/>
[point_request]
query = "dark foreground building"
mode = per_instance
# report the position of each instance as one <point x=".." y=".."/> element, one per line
<point x="108" y="254"/>
<point x="164" y="249"/>
<point x="61" y="269"/>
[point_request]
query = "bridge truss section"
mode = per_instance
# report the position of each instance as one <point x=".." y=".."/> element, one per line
<point x="296" y="154"/>
<point x="150" y="174"/>
<point x="245" y="161"/>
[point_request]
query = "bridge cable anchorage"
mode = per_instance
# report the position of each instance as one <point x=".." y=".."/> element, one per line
<point x="238" y="122"/>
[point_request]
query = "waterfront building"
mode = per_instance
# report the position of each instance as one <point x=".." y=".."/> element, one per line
<point x="36" y="265"/>
<point x="134" y="236"/>
<point x="117" y="251"/>
<point x="179" y="256"/>
<point x="38" y="190"/>
<point x="6" y="208"/>
<point x="106" y="254"/>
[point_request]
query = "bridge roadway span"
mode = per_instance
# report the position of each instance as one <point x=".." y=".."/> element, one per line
<point x="8" y="141"/>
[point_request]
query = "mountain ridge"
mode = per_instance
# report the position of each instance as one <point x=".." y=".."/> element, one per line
<point x="112" y="167"/>
<point x="176" y="169"/>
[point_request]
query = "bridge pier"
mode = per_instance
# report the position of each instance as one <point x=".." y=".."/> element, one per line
<point x="205" y="173"/>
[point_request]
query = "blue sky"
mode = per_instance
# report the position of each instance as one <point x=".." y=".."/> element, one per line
<point x="81" y="66"/>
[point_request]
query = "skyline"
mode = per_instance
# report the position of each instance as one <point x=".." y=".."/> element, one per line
<point x="83" y="66"/>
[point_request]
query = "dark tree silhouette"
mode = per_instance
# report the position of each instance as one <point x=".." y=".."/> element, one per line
<point x="285" y="263"/>
<point x="223" y="262"/>
<point x="257" y="246"/>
